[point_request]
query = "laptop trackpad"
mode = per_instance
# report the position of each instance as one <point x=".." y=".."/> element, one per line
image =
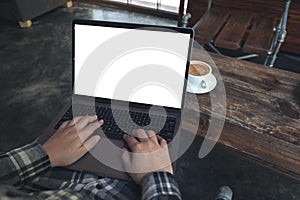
<point x="104" y="159"/>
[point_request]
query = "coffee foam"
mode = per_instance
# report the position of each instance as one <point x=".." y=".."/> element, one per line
<point x="198" y="69"/>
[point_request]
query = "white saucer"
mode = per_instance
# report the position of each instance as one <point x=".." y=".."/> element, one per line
<point x="198" y="90"/>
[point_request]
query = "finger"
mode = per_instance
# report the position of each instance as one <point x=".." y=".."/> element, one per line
<point x="70" y="122"/>
<point x="90" y="143"/>
<point x="81" y="122"/>
<point x="162" y="141"/>
<point x="88" y="130"/>
<point x="126" y="159"/>
<point x="101" y="122"/>
<point x="131" y="141"/>
<point x="64" y="124"/>
<point x="141" y="135"/>
<point x="152" y="135"/>
<point x="73" y="121"/>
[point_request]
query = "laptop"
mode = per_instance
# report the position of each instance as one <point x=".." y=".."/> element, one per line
<point x="131" y="76"/>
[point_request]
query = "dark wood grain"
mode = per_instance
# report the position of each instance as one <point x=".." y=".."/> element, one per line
<point x="234" y="30"/>
<point x="263" y="112"/>
<point x="266" y="8"/>
<point x="260" y="36"/>
<point x="210" y="25"/>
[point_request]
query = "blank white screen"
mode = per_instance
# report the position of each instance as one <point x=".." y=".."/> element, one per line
<point x="163" y="93"/>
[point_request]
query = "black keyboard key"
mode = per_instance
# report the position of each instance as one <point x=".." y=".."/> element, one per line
<point x="139" y="122"/>
<point x="101" y="116"/>
<point x="145" y="116"/>
<point x="147" y="122"/>
<point x="169" y="127"/>
<point x="171" y="120"/>
<point x="108" y="123"/>
<point x="137" y="116"/>
<point x="109" y="130"/>
<point x="117" y="130"/>
<point x="108" y="117"/>
<point x="166" y="133"/>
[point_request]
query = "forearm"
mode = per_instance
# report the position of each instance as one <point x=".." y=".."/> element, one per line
<point x="160" y="185"/>
<point x="23" y="163"/>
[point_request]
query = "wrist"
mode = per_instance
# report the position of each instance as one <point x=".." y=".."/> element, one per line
<point x="50" y="155"/>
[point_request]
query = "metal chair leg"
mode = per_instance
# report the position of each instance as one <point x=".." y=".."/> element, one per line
<point x="280" y="34"/>
<point x="214" y="48"/>
<point x="247" y="56"/>
<point x="185" y="19"/>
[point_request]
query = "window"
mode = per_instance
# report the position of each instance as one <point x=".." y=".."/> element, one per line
<point x="160" y="5"/>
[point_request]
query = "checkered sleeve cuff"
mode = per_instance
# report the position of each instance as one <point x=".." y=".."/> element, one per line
<point x="23" y="163"/>
<point x="160" y="185"/>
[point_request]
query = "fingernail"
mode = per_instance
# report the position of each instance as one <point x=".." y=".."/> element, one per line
<point x="97" y="138"/>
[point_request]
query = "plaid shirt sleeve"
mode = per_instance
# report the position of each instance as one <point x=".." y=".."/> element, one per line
<point x="160" y="186"/>
<point x="23" y="163"/>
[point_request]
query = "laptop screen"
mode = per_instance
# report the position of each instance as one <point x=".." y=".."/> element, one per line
<point x="142" y="64"/>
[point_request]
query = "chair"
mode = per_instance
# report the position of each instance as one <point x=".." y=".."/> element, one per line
<point x="24" y="11"/>
<point x="236" y="29"/>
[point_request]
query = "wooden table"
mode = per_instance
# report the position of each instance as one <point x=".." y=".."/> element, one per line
<point x="263" y="112"/>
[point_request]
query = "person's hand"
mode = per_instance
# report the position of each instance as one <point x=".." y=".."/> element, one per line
<point x="149" y="154"/>
<point x="70" y="142"/>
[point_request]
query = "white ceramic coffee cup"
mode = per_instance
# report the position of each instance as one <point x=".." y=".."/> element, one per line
<point x="200" y="81"/>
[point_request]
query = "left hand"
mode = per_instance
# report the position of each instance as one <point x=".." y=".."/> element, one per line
<point x="70" y="142"/>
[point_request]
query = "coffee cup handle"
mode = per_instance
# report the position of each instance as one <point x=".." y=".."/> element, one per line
<point x="203" y="84"/>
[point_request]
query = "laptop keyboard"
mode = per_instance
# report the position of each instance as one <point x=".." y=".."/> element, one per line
<point x="117" y="122"/>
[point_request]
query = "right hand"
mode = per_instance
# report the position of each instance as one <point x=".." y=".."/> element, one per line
<point x="149" y="154"/>
<point x="72" y="140"/>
